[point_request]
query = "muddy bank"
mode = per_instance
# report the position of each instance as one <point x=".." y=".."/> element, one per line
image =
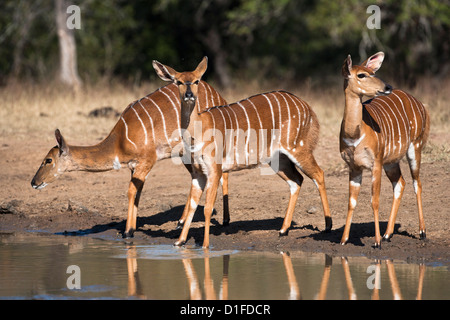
<point x="95" y="204"/>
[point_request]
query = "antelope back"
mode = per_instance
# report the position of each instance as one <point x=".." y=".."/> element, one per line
<point x="398" y="120"/>
<point x="257" y="127"/>
<point x="153" y="122"/>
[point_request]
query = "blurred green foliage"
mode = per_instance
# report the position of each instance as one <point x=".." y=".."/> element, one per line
<point x="285" y="40"/>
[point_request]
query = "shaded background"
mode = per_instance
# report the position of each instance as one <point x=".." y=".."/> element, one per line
<point x="281" y="41"/>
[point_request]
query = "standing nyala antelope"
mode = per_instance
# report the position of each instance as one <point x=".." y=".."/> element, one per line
<point x="292" y="133"/>
<point x="146" y="131"/>
<point x="376" y="135"/>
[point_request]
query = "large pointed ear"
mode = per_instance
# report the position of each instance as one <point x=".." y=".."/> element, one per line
<point x="347" y="67"/>
<point x="201" y="68"/>
<point x="166" y="73"/>
<point x="62" y="145"/>
<point x="374" y="62"/>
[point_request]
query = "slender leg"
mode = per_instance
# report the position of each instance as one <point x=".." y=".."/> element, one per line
<point x="320" y="182"/>
<point x="376" y="187"/>
<point x="289" y="173"/>
<point x="211" y="193"/>
<point x="355" y="178"/>
<point x="309" y="166"/>
<point x="226" y="210"/>
<point x="186" y="207"/>
<point x="134" y="193"/>
<point x="398" y="184"/>
<point x="192" y="205"/>
<point x="414" y="157"/>
<point x="192" y="199"/>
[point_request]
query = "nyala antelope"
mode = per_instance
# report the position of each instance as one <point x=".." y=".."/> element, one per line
<point x="292" y="133"/>
<point x="146" y="132"/>
<point x="376" y="135"/>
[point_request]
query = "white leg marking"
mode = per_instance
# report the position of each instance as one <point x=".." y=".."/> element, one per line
<point x="293" y="186"/>
<point x="193" y="204"/>
<point x="416" y="187"/>
<point x="397" y="189"/>
<point x="352" y="203"/>
<point x="412" y="156"/>
<point x="116" y="163"/>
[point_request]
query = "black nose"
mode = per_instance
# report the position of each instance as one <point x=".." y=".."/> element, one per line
<point x="33" y="182"/>
<point x="388" y="88"/>
<point x="189" y="94"/>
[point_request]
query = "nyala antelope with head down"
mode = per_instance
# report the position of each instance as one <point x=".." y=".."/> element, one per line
<point x="147" y="131"/>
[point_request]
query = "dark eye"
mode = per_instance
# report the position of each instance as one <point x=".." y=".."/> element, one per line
<point x="197" y="82"/>
<point x="361" y="75"/>
<point x="179" y="83"/>
<point x="48" y="161"/>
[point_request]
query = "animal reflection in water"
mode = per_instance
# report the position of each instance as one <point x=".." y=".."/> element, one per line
<point x="135" y="288"/>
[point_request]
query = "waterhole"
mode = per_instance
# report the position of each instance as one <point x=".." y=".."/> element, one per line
<point x="45" y="266"/>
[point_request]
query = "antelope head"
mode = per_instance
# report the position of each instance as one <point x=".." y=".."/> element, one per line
<point x="361" y="79"/>
<point x="187" y="83"/>
<point x="55" y="163"/>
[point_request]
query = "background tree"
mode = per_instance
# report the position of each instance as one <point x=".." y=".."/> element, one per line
<point x="68" y="67"/>
<point x="279" y="40"/>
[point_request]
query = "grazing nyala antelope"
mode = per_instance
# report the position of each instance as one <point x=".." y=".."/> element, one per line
<point x="270" y="127"/>
<point x="146" y="131"/>
<point x="376" y="135"/>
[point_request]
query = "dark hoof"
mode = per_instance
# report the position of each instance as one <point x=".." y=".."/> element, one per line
<point x="179" y="243"/>
<point x="179" y="225"/>
<point x="423" y="235"/>
<point x="283" y="234"/>
<point x="328" y="224"/>
<point x="387" y="237"/>
<point x="128" y="234"/>
<point x="377" y="245"/>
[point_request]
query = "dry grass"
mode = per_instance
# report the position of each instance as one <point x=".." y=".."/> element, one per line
<point x="27" y="109"/>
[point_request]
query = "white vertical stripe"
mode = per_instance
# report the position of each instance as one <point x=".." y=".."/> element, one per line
<point x="257" y="113"/>
<point x="386" y="124"/>
<point x="151" y="121"/>
<point x="142" y="124"/>
<point x="224" y="122"/>
<point x="236" y="153"/>
<point x="273" y="123"/>
<point x="174" y="106"/>
<point x="405" y="124"/>
<point x="394" y="135"/>
<point x="379" y="121"/>
<point x="206" y="96"/>
<point x="230" y="145"/>
<point x="126" y="132"/>
<point x="279" y="116"/>
<point x="162" y="117"/>
<point x="414" y="116"/>
<point x="248" y="132"/>
<point x="288" y="122"/>
<point x="299" y="118"/>
<point x="261" y="149"/>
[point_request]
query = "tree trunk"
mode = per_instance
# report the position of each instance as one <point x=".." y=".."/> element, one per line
<point x="68" y="72"/>
<point x="214" y="43"/>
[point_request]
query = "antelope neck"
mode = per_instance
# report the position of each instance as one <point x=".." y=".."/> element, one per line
<point x="353" y="112"/>
<point x="189" y="115"/>
<point x="100" y="157"/>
